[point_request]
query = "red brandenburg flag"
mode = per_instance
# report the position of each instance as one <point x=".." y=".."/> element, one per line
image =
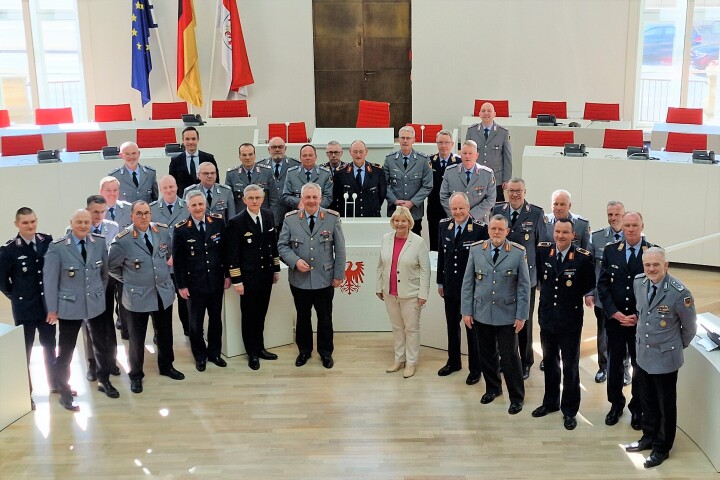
<point x="188" y="71"/>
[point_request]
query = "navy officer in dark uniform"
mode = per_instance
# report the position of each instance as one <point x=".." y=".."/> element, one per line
<point x="363" y="183"/>
<point x="438" y="163"/>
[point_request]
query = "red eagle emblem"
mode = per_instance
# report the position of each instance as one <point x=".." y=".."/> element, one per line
<point x="353" y="277"/>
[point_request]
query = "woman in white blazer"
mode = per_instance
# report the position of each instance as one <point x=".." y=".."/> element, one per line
<point x="403" y="283"/>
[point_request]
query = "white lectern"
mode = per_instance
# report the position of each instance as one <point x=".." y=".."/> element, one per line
<point x="14" y="383"/>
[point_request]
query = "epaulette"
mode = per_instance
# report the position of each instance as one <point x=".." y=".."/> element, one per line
<point x="332" y="212"/>
<point x="215" y="215"/>
<point x="445" y="220"/>
<point x="477" y="243"/>
<point x="583" y="251"/>
<point x="454" y="165"/>
<point x="163" y="225"/>
<point x="231" y="169"/>
<point x="532" y="205"/>
<point x="516" y="245"/>
<point x="98" y="235"/>
<point x="478" y="222"/>
<point x="579" y="217"/>
<point x="324" y="169"/>
<point x="483" y="167"/>
<point x="180" y="223"/>
<point x="474" y="125"/>
<point x="376" y="165"/>
<point x="222" y="185"/>
<point x="597" y="231"/>
<point x="154" y="202"/>
<point x="296" y="167"/>
<point x="61" y="239"/>
<point x="678" y="286"/>
<point x="115" y="171"/>
<point x="393" y="154"/>
<point x="123" y="233"/>
<point x="149" y="167"/>
<point x="262" y="165"/>
<point x="544" y="244"/>
<point x="616" y="241"/>
<point x="640" y="275"/>
<point x="291" y="159"/>
<point x="10" y="241"/>
<point x="294" y="212"/>
<point x="501" y="127"/>
<point x="421" y="154"/>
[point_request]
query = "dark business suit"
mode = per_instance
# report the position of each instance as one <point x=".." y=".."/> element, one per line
<point x="179" y="169"/>
<point x="251" y="256"/>
<point x="562" y="293"/>
<point x="435" y="210"/>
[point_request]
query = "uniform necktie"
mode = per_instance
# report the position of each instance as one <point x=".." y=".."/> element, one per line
<point x="633" y="257"/>
<point x="202" y="228"/>
<point x="486" y="133"/>
<point x="148" y="244"/>
<point x="457" y="234"/>
<point x="249" y="177"/>
<point x="112" y="213"/>
<point x="312" y="222"/>
<point x="32" y="245"/>
<point x="616" y="236"/>
<point x="467" y="176"/>
<point x="135" y="180"/>
<point x="257" y="221"/>
<point x="83" y="252"/>
<point x="307" y="174"/>
<point x="405" y="162"/>
<point x="277" y="171"/>
<point x="652" y="295"/>
<point x="96" y="230"/>
<point x="193" y="172"/>
<point x="514" y="218"/>
<point x="442" y="164"/>
<point x="358" y="177"/>
<point x="208" y="197"/>
<point x="496" y="254"/>
<point x="559" y="258"/>
<point x="170" y="207"/>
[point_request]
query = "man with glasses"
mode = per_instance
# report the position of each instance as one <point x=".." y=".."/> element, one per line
<point x="218" y="197"/>
<point x="438" y="163"/>
<point x="364" y="180"/>
<point x="493" y="143"/>
<point x="279" y="164"/>
<point x="334" y="153"/>
<point x="475" y="180"/>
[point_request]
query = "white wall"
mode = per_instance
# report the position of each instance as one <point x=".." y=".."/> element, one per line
<point x="278" y="35"/>
<point x="521" y="50"/>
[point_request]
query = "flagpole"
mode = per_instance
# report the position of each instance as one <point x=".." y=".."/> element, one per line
<point x="212" y="56"/>
<point x="162" y="58"/>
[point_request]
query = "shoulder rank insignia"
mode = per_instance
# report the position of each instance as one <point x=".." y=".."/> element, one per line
<point x="544" y="244"/>
<point x="294" y="212"/>
<point x="640" y="275"/>
<point x="478" y="243"/>
<point x="583" y="251"/>
<point x="98" y="235"/>
<point x="333" y="212"/>
<point x="678" y="286"/>
<point x="181" y="223"/>
<point x="61" y="239"/>
<point x="516" y="245"/>
<point x="123" y="233"/>
<point x="162" y="225"/>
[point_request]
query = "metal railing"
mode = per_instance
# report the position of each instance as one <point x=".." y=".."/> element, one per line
<point x="657" y="90"/>
<point x="67" y="93"/>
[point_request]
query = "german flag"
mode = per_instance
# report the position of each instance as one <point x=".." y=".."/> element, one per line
<point x="188" y="70"/>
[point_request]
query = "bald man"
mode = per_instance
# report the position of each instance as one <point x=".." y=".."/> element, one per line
<point x="493" y="143"/>
<point x="137" y="182"/>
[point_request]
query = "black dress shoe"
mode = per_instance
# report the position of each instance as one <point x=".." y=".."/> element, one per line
<point x="613" y="417"/>
<point x="447" y="370"/>
<point x="254" y="363"/>
<point x="125" y="335"/>
<point x="91" y="376"/>
<point x="155" y="339"/>
<point x="118" y="324"/>
<point x="172" y="373"/>
<point x="515" y="408"/>
<point x="472" y="378"/>
<point x="301" y="359"/>
<point x="569" y="422"/>
<point x="136" y="385"/>
<point x="115" y="371"/>
<point x="542" y="365"/>
<point x="600" y="376"/>
<point x="526" y="372"/>
<point x="67" y="402"/>
<point x="636" y="421"/>
<point x="108" y="389"/>
<point x="265" y="355"/>
<point x="643" y="444"/>
<point x="218" y="361"/>
<point x="655" y="459"/>
<point x="627" y="378"/>
<point x="328" y="362"/>
<point x="542" y="410"/>
<point x="489" y="397"/>
<point x="200" y="365"/>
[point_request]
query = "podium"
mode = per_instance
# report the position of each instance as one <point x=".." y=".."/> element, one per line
<point x="13" y="375"/>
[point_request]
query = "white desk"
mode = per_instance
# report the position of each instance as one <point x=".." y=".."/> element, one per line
<point x="658" y="137"/>
<point x="658" y="189"/>
<point x="14" y="383"/>
<point x="698" y="391"/>
<point x="522" y="133"/>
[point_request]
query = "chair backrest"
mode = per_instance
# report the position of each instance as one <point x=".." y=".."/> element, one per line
<point x="622" y="138"/>
<point x="21" y="145"/>
<point x="559" y="109"/>
<point x="85" y="141"/>
<point x="113" y="113"/>
<point x="601" y="111"/>
<point x="229" y="108"/>
<point x="295" y="132"/>
<point x="502" y="107"/>
<point x="373" y="114"/>
<point x="168" y="111"/>
<point x="53" y="116"/>
<point x="685" y="142"/>
<point x="155" y="137"/>
<point x="4" y="118"/>
<point x="692" y="116"/>
<point x="554" y="138"/>
<point x="426" y="134"/>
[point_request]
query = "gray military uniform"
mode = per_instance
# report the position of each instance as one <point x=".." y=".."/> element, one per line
<point x="295" y="180"/>
<point x="222" y="199"/>
<point x="581" y="229"/>
<point x="414" y="183"/>
<point x="261" y="175"/>
<point x="122" y="211"/>
<point x="494" y="152"/>
<point x="598" y="240"/>
<point x="280" y="209"/>
<point x="480" y="190"/>
<point x="147" y="188"/>
<point x="161" y="213"/>
<point x="144" y="275"/>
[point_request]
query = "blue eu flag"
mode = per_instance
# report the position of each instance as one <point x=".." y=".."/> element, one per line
<point x="142" y="22"/>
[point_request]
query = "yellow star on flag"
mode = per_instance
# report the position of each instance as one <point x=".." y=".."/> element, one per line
<point x="133" y="17"/>
<point x="139" y="45"/>
<point x="139" y="6"/>
<point x="134" y="32"/>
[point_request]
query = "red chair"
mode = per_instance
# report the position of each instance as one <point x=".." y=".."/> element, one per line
<point x="168" y="111"/>
<point x="685" y="142"/>
<point x="622" y="138"/>
<point x="554" y="138"/>
<point x="502" y="107"/>
<point x="85" y="141"/>
<point x="155" y="137"/>
<point x="113" y="113"/>
<point x="602" y="111"/>
<point x="4" y="118"/>
<point x="559" y="109"/>
<point x="229" y="108"/>
<point x="295" y="132"/>
<point x="53" y="116"/>
<point x="427" y="134"/>
<point x="21" y="145"/>
<point x="692" y="116"/>
<point x="373" y="114"/>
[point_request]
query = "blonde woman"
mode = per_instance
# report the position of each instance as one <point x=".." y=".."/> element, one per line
<point x="403" y="283"/>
